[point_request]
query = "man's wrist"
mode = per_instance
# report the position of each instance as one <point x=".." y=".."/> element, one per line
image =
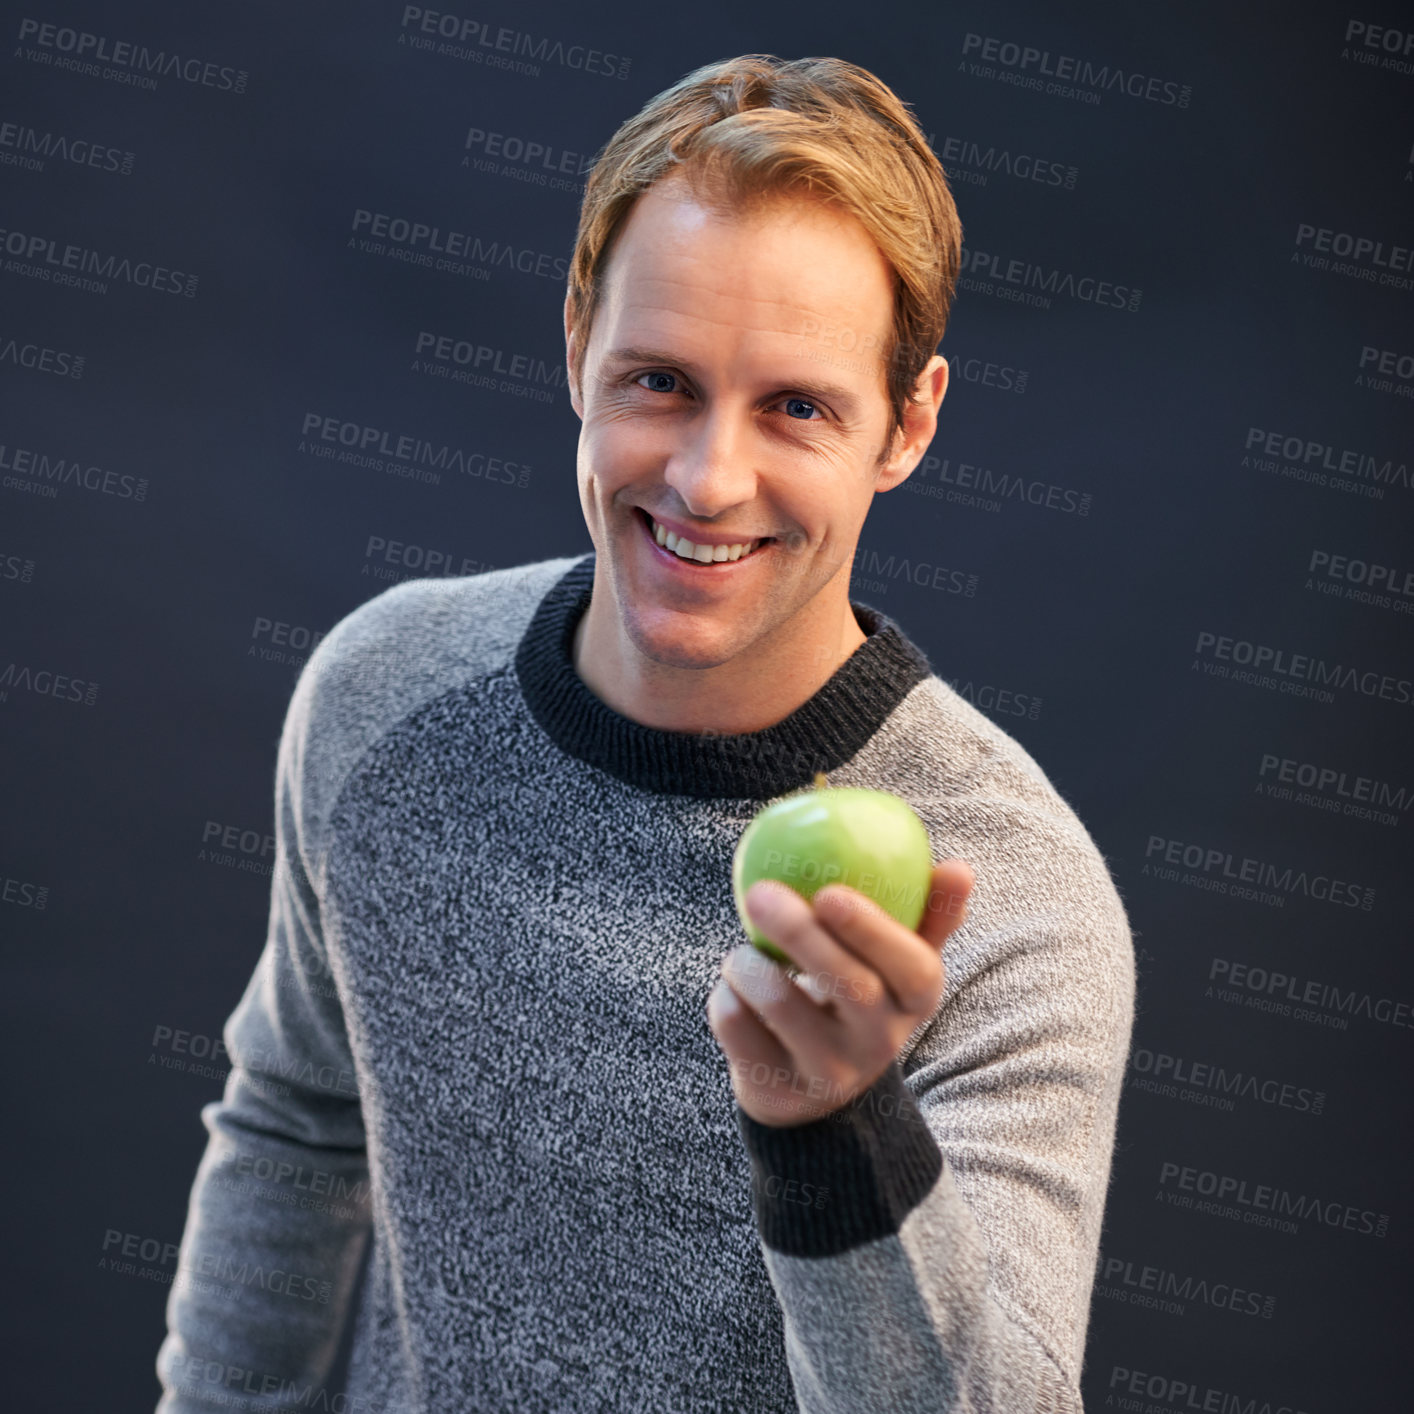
<point x="844" y="1179"/>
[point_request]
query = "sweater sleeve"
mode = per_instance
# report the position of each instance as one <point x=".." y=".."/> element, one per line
<point x="279" y="1210"/>
<point x="932" y="1243"/>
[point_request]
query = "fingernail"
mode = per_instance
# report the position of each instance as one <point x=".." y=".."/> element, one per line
<point x="722" y="1001"/>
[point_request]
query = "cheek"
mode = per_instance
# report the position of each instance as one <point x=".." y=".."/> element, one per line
<point x="615" y="433"/>
<point x="828" y="505"/>
<point x="626" y="456"/>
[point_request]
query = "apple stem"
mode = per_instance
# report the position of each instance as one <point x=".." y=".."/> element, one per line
<point x="820" y="781"/>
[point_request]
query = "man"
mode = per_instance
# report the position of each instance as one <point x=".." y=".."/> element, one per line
<point x="483" y="1048"/>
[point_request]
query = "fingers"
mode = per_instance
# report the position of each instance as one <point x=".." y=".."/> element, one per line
<point x="861" y="973"/>
<point x="810" y="1034"/>
<point x="946" y="909"/>
<point x="858" y="983"/>
<point x="831" y="970"/>
<point x="740" y="1033"/>
<point x="907" y="965"/>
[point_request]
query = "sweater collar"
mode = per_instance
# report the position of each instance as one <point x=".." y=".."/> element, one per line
<point x="820" y="735"/>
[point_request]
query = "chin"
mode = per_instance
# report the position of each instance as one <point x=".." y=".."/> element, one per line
<point x="680" y="640"/>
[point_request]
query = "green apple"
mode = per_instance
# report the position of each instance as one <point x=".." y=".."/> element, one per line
<point x="871" y="840"/>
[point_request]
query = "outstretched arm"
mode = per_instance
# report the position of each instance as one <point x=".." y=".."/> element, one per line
<point x="930" y="1229"/>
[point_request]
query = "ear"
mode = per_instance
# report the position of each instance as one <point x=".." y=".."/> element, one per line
<point x="571" y="339"/>
<point x="920" y="425"/>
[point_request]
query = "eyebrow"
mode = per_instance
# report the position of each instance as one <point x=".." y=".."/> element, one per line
<point x="847" y="399"/>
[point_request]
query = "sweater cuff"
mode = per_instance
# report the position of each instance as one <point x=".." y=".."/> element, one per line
<point x="851" y="1177"/>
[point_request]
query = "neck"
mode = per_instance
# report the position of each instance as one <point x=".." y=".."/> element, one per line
<point x="743" y="694"/>
<point x="821" y="734"/>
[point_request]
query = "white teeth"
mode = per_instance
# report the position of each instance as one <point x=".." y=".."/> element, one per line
<point x="703" y="554"/>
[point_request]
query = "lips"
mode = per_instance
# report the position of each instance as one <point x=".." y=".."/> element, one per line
<point x="670" y="546"/>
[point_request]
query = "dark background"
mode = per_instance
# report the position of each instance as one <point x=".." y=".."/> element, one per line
<point x="154" y="613"/>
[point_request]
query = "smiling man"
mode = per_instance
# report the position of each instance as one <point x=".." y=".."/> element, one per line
<point x="515" y="1118"/>
<point x="709" y="417"/>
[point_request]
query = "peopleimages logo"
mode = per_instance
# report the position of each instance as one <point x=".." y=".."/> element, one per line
<point x="485" y="366"/>
<point x="970" y="161"/>
<point x="1379" y="46"/>
<point x="123" y="1250"/>
<point x="1330" y="788"/>
<point x="44" y="682"/>
<point x="397" y="560"/>
<point x="1320" y="463"/>
<point x="26" y="147"/>
<point x="283" y="642"/>
<point x="1379" y="368"/>
<point x="1364" y="582"/>
<point x="461" y="38"/>
<point x="1264" y="988"/>
<point x="1260" y="873"/>
<point x="16" y="567"/>
<point x="321" y="1182"/>
<point x="1025" y="282"/>
<point x="81" y="49"/>
<point x="226" y="1386"/>
<point x="526" y="160"/>
<point x="873" y="572"/>
<point x="1292" y="672"/>
<point x="1030" y="67"/>
<point x="51" y="472"/>
<point x="417" y="243"/>
<point x="401" y="454"/>
<point x="946" y="479"/>
<point x="1142" y="1284"/>
<point x="1264" y="1204"/>
<point x="1359" y="257"/>
<point x="246" y="851"/>
<point x="987" y="373"/>
<point x="1186" y="1394"/>
<point x="23" y="894"/>
<point x="41" y="358"/>
<point x="1214" y="1086"/>
<point x="1002" y="701"/>
<point x="41" y="258"/>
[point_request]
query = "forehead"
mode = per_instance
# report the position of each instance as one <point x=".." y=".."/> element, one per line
<point x="789" y="269"/>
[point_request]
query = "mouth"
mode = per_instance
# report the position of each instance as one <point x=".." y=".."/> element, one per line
<point x="706" y="558"/>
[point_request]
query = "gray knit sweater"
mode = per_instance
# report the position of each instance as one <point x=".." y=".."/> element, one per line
<point x="476" y="1126"/>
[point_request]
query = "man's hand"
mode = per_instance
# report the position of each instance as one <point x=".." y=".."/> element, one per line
<point x="806" y="1041"/>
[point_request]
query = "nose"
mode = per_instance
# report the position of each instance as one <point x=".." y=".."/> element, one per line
<point x="711" y="469"/>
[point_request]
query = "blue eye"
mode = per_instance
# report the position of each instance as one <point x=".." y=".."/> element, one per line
<point x="790" y="400"/>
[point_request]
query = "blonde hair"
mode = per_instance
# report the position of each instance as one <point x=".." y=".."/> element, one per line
<point x="749" y="129"/>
